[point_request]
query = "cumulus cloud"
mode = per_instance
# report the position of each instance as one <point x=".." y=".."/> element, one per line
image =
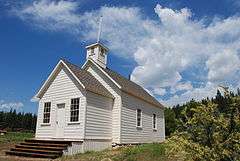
<point x="159" y="91"/>
<point x="10" y="105"/>
<point x="166" y="50"/>
<point x="186" y="86"/>
<point x="50" y="15"/>
<point x="209" y="90"/>
<point x="223" y="66"/>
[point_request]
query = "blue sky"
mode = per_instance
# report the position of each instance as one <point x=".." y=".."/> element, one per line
<point x="177" y="50"/>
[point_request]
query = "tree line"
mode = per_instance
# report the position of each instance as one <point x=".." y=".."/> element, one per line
<point x="207" y="129"/>
<point x="13" y="121"/>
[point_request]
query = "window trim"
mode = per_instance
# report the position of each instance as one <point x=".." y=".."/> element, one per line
<point x="154" y="128"/>
<point x="140" y="118"/>
<point x="45" y="112"/>
<point x="70" y="118"/>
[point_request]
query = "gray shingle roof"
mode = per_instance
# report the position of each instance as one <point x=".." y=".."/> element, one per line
<point x="128" y="86"/>
<point x="90" y="83"/>
<point x="132" y="88"/>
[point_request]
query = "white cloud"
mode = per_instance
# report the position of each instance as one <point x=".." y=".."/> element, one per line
<point x="166" y="50"/>
<point x="10" y="105"/>
<point x="182" y="87"/>
<point x="50" y="15"/>
<point x="196" y="93"/>
<point x="223" y="66"/>
<point x="159" y="91"/>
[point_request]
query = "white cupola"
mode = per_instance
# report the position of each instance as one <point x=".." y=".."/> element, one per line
<point x="98" y="53"/>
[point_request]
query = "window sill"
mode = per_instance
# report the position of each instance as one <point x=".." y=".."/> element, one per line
<point x="45" y="124"/>
<point x="139" y="127"/>
<point x="73" y="123"/>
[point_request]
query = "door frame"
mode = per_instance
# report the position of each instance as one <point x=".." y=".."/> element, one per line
<point x="56" y="121"/>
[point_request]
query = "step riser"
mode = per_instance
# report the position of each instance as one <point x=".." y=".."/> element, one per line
<point x="39" y="152"/>
<point x="40" y="148"/>
<point x="31" y="155"/>
<point x="48" y="141"/>
<point x="44" y="144"/>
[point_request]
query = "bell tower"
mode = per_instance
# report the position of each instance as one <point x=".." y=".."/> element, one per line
<point x="98" y="53"/>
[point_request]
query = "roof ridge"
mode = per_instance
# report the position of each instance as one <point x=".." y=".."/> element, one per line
<point x="134" y="85"/>
<point x="89" y="81"/>
<point x="128" y="79"/>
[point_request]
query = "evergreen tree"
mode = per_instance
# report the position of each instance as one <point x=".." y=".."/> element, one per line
<point x="170" y="121"/>
<point x="211" y="134"/>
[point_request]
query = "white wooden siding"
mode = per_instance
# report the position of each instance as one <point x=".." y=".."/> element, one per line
<point x="98" y="117"/>
<point x="129" y="132"/>
<point x="62" y="89"/>
<point x="113" y="89"/>
<point x="96" y="145"/>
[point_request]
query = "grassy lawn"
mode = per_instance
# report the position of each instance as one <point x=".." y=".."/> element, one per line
<point x="14" y="137"/>
<point x="146" y="152"/>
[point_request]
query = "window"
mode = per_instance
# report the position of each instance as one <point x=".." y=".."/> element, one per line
<point x="92" y="51"/>
<point x="154" y="121"/>
<point x="139" y="118"/>
<point x="102" y="52"/>
<point x="74" y="110"/>
<point x="46" y="112"/>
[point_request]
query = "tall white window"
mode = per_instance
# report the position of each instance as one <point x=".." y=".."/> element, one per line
<point x="74" y="117"/>
<point x="46" y="112"/>
<point x="139" y="118"/>
<point x="154" y="122"/>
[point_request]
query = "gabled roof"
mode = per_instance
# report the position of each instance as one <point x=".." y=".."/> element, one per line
<point x="126" y="85"/>
<point x="85" y="79"/>
<point x="90" y="82"/>
<point x="132" y="88"/>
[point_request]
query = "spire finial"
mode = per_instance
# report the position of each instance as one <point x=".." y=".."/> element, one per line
<point x="99" y="29"/>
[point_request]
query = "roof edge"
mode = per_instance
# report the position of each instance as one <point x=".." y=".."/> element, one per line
<point x="92" y="61"/>
<point x="159" y="106"/>
<point x="61" y="61"/>
<point x="97" y="43"/>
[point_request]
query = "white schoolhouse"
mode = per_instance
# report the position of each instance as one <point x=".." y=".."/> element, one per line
<point x="95" y="107"/>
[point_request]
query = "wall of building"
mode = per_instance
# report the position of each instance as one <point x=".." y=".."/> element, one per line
<point x="62" y="89"/>
<point x="98" y="117"/>
<point x="129" y="132"/>
<point x="96" y="145"/>
<point x="116" y="108"/>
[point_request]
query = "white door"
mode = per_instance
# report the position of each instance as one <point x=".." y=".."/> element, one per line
<point x="60" y="121"/>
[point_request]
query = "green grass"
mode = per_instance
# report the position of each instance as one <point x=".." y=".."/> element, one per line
<point x="14" y="137"/>
<point x="145" y="152"/>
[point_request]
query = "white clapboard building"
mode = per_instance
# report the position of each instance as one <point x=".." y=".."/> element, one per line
<point x="96" y="108"/>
